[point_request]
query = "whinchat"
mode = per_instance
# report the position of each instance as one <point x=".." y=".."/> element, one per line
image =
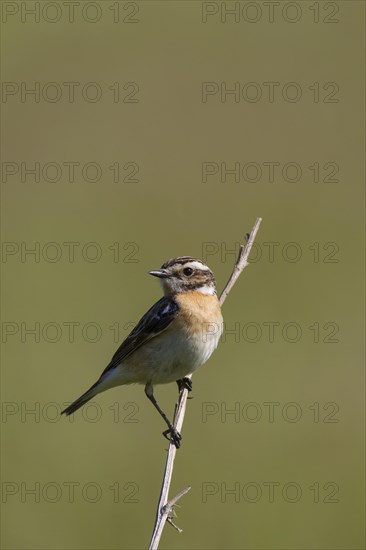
<point x="175" y="336"/>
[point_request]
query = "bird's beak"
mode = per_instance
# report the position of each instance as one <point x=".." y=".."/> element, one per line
<point x="161" y="273"/>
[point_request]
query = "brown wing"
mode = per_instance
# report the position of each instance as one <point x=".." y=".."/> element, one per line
<point x="155" y="321"/>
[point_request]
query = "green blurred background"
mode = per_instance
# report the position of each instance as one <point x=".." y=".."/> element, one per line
<point x="292" y="454"/>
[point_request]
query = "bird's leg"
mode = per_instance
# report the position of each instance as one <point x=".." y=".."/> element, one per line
<point x="185" y="383"/>
<point x="175" y="436"/>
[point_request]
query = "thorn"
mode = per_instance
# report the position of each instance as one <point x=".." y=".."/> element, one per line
<point x="169" y="520"/>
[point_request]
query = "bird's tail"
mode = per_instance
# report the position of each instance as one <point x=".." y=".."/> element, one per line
<point x="82" y="399"/>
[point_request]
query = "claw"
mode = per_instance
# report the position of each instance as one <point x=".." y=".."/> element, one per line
<point x="185" y="383"/>
<point x="173" y="436"/>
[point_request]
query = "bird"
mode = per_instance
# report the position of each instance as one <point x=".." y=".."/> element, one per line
<point x="175" y="337"/>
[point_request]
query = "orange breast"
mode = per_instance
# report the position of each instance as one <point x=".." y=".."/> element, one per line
<point x="198" y="310"/>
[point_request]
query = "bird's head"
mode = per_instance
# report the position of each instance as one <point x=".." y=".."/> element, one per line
<point x="185" y="274"/>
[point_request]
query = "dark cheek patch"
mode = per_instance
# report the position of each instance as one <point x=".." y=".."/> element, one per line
<point x="198" y="280"/>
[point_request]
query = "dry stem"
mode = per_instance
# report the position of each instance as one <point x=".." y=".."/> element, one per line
<point x="165" y="511"/>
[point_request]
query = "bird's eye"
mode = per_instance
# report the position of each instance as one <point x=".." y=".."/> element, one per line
<point x="188" y="271"/>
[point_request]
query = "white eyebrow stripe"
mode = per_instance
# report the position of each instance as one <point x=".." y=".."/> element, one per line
<point x="197" y="265"/>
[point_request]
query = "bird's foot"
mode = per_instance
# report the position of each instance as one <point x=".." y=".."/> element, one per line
<point x="185" y="383"/>
<point x="173" y="436"/>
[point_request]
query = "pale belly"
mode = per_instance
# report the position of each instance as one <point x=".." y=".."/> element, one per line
<point x="167" y="357"/>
